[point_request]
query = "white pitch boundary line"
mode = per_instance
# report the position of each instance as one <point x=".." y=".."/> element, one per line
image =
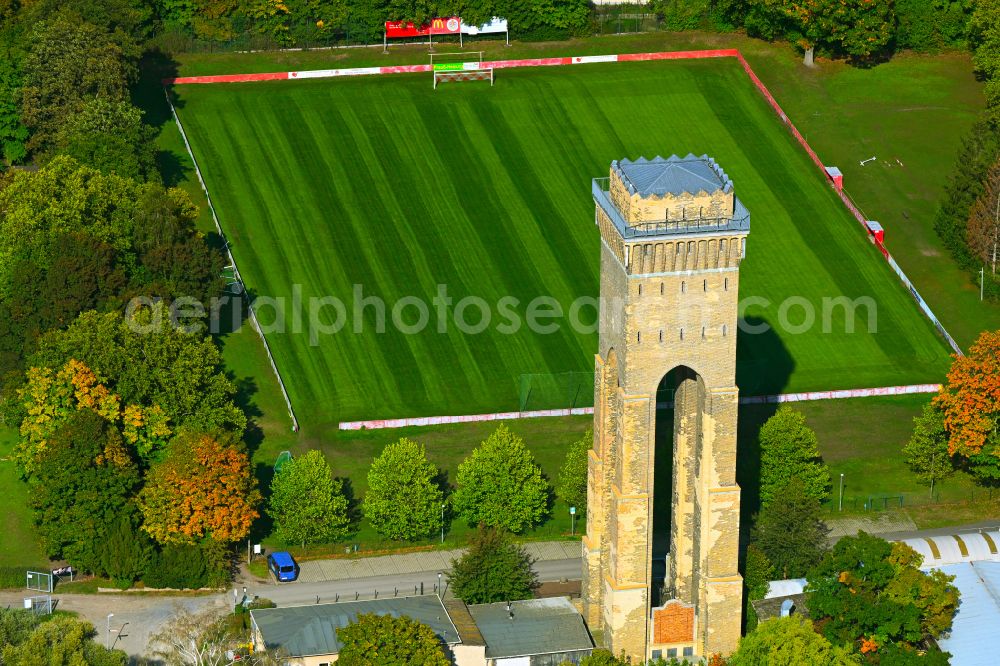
<point x="419" y="421"/>
<point x="232" y="261"/>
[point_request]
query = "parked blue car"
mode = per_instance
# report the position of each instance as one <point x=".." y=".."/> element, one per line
<point x="283" y="566"/>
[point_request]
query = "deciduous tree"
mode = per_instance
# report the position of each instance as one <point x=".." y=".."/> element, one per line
<point x="790" y="532"/>
<point x="404" y="499"/>
<point x="789" y="450"/>
<point x="970" y="403"/>
<point x="192" y="638"/>
<point x="927" y="451"/>
<point x="69" y="61"/>
<point x="572" y="485"/>
<point x="857" y="28"/>
<point x="984" y="38"/>
<point x="788" y="641"/>
<point x="500" y="485"/>
<point x="148" y="361"/>
<point x="870" y="593"/>
<point x="202" y="488"/>
<point x="307" y="503"/>
<point x="50" y="398"/>
<point x="758" y="572"/>
<point x="13" y="133"/>
<point x="983" y="230"/>
<point x="110" y="136"/>
<point x="83" y="485"/>
<point x="63" y="641"/>
<point x="493" y="569"/>
<point x="384" y="640"/>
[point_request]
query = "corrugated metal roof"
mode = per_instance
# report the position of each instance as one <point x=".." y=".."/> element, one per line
<point x="955" y="548"/>
<point x="312" y="630"/>
<point x="974" y="639"/>
<point x="673" y="175"/>
<point x="539" y="626"/>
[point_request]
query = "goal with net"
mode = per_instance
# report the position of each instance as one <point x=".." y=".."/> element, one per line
<point x="468" y="66"/>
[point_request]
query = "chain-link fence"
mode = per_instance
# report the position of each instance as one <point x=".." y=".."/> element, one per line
<point x="624" y="18"/>
<point x="894" y="501"/>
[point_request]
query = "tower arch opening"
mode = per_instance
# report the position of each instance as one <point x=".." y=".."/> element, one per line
<point x="676" y="460"/>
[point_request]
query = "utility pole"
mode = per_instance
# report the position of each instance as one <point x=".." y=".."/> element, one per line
<point x="840" y="504"/>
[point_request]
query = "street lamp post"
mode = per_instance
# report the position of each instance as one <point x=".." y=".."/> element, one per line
<point x="572" y="521"/>
<point x="840" y="505"/>
<point x="108" y="641"/>
<point x="442" y="522"/>
<point x="118" y="634"/>
<point x="440" y="590"/>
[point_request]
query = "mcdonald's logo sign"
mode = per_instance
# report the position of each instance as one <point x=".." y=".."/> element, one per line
<point x="438" y="26"/>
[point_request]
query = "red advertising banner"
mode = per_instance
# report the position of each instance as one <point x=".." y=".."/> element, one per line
<point x="438" y="26"/>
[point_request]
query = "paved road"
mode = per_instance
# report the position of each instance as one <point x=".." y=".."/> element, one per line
<point x="305" y="592"/>
<point x="146" y="614"/>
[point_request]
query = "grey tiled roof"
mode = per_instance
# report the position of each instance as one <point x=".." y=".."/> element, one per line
<point x="312" y="630"/>
<point x="673" y="175"/>
<point x="539" y="626"/>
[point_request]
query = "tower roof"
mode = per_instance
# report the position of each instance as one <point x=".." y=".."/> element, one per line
<point x="673" y="175"/>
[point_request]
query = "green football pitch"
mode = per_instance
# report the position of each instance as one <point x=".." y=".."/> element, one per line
<point x="384" y="183"/>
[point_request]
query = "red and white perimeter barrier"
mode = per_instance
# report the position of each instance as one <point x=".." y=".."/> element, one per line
<point x="413" y="69"/>
<point x="586" y="411"/>
<point x="623" y="57"/>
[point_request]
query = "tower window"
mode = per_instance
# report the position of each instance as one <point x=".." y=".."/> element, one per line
<point x="640" y="289"/>
<point x="684" y="287"/>
<point x="702" y="332"/>
<point x="661" y="289"/>
<point x="725" y="330"/>
<point x="637" y="334"/>
<point x="661" y="335"/>
<point x="725" y="284"/>
<point x="682" y="334"/>
<point x="704" y="285"/>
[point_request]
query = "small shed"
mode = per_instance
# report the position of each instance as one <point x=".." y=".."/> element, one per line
<point x="535" y="632"/>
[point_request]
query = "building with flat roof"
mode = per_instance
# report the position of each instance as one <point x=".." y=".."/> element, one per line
<point x="308" y="634"/>
<point x="535" y="632"/>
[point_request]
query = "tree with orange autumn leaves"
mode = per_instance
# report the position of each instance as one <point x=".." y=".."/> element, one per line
<point x="970" y="406"/>
<point x="203" y="488"/>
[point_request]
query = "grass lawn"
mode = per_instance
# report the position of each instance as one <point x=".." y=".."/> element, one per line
<point x="913" y="108"/>
<point x="486" y="191"/>
<point x="18" y="546"/>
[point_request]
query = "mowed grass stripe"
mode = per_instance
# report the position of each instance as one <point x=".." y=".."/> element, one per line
<point x="385" y="183"/>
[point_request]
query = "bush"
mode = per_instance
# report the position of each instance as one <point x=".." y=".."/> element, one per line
<point x="14" y="577"/>
<point x="930" y="26"/>
<point x="189" y="566"/>
<point x="125" y="553"/>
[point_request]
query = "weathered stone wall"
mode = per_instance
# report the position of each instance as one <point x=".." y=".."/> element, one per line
<point x="637" y="208"/>
<point x="668" y="302"/>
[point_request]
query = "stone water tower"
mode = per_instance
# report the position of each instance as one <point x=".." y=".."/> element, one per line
<point x="673" y="234"/>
